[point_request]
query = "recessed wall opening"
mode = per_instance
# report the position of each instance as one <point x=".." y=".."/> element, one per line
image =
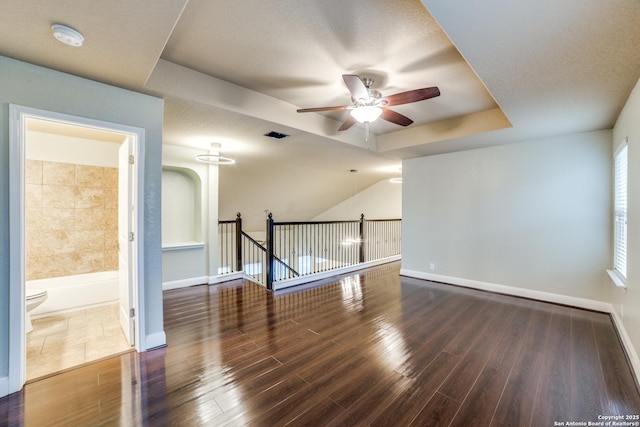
<point x="71" y="245"/>
<point x="181" y="207"/>
<point x="74" y="266"/>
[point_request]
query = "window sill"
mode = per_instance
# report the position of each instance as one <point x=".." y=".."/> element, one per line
<point x="617" y="280"/>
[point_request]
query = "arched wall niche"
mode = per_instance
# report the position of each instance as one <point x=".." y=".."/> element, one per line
<point x="181" y="206"/>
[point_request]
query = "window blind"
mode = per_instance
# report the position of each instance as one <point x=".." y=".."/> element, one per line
<point x="620" y="213"/>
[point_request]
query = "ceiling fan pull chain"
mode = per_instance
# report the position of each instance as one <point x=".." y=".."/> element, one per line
<point x="366" y="134"/>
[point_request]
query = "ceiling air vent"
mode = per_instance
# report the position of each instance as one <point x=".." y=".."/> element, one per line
<point x="276" y="135"/>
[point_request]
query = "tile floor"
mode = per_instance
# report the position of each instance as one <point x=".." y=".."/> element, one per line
<point x="63" y="341"/>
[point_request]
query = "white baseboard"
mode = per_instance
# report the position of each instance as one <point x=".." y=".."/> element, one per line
<point x="193" y="281"/>
<point x="512" y="290"/>
<point x="155" y="340"/>
<point x="541" y="296"/>
<point x="283" y="284"/>
<point x="628" y="346"/>
<point x="4" y="386"/>
<point x="214" y="280"/>
<point x="185" y="283"/>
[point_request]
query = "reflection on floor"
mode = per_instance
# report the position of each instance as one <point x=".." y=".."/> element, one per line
<point x="63" y="341"/>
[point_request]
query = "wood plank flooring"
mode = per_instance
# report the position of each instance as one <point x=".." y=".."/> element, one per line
<point x="369" y="349"/>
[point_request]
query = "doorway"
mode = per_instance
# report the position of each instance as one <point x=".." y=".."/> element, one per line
<point x="129" y="194"/>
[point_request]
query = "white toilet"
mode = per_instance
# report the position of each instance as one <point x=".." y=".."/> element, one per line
<point x="35" y="297"/>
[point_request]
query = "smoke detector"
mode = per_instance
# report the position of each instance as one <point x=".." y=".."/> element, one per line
<point x="67" y="35"/>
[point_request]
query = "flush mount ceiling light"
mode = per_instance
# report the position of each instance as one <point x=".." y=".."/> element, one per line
<point x="366" y="113"/>
<point x="397" y="179"/>
<point x="215" y="157"/>
<point x="67" y="35"/>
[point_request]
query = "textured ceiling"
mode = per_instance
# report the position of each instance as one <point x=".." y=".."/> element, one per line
<point x="297" y="50"/>
<point x="508" y="71"/>
<point x="123" y="39"/>
<point x="295" y="178"/>
<point x="554" y="67"/>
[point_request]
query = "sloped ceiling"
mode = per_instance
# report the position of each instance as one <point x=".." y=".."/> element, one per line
<point x="508" y="71"/>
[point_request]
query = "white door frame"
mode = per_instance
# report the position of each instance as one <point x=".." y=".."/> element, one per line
<point x="126" y="239"/>
<point x="17" y="303"/>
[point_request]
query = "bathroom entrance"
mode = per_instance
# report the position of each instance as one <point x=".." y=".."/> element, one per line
<point x="79" y="246"/>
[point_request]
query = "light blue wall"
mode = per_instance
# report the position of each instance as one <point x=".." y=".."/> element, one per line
<point x="190" y="266"/>
<point x="27" y="85"/>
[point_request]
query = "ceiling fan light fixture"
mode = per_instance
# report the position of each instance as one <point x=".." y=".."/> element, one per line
<point x="67" y="35"/>
<point x="366" y="113"/>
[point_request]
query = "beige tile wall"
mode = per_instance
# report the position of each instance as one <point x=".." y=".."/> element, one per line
<point x="72" y="219"/>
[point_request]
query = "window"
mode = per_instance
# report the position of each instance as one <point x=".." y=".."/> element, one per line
<point x="620" y="213"/>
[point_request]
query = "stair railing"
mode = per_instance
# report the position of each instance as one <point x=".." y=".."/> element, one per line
<point x="294" y="249"/>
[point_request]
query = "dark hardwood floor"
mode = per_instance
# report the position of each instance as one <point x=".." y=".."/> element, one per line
<point x="370" y="349"/>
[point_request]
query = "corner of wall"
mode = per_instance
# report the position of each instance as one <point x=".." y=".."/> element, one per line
<point x="632" y="355"/>
<point x="155" y="340"/>
<point x="4" y="386"/>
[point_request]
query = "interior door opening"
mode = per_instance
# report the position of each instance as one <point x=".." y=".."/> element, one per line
<point x="67" y="196"/>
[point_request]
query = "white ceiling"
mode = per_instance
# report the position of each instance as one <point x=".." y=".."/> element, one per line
<point x="232" y="70"/>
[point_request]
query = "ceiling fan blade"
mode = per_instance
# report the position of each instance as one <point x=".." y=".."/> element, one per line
<point x="412" y="96"/>
<point x="313" y="110"/>
<point x="347" y="123"/>
<point x="356" y="87"/>
<point x="393" y="117"/>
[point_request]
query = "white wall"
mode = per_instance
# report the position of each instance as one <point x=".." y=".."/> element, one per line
<point x="68" y="149"/>
<point x="382" y="200"/>
<point x="181" y="210"/>
<point x="191" y="262"/>
<point x="532" y="215"/>
<point x="627" y="305"/>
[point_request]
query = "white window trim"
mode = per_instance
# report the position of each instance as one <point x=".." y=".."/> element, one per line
<point x="617" y="276"/>
<point x="617" y="280"/>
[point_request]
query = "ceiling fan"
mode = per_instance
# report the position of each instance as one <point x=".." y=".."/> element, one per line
<point x="369" y="104"/>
